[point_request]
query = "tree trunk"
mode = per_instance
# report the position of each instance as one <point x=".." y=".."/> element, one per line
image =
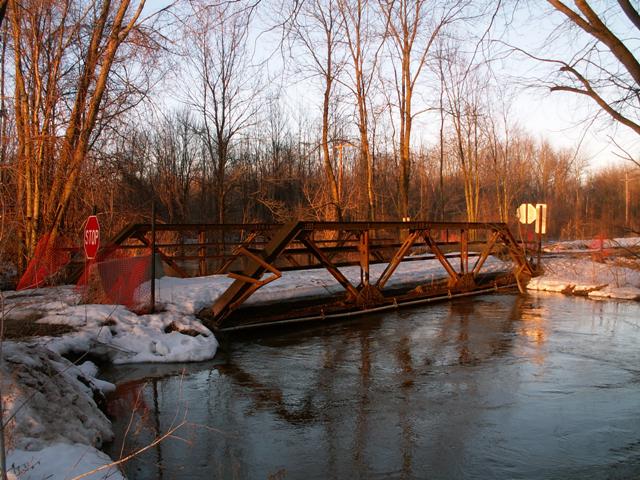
<point x="336" y="210"/>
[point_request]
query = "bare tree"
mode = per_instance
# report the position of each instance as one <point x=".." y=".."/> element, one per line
<point x="315" y="27"/>
<point x="217" y="38"/>
<point x="504" y="157"/>
<point x="413" y="26"/>
<point x="364" y="45"/>
<point x="175" y="153"/>
<point x="65" y="54"/>
<point x="603" y="66"/>
<point x="463" y="88"/>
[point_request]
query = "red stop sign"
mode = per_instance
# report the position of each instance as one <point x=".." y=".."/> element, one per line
<point x="91" y="237"/>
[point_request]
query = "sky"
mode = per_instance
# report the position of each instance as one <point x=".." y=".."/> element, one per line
<point x="562" y="118"/>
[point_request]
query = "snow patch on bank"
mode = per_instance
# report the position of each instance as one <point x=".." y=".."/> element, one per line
<point x="587" y="277"/>
<point x="112" y="331"/>
<point x="592" y="244"/>
<point x="62" y="460"/>
<point x="55" y="428"/>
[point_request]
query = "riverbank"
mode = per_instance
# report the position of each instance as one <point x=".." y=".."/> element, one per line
<point x="597" y="269"/>
<point x="57" y="427"/>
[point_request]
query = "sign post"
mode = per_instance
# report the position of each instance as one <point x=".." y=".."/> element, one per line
<point x="90" y="242"/>
<point x="541" y="227"/>
<point x="526" y="214"/>
<point x="91" y="238"/>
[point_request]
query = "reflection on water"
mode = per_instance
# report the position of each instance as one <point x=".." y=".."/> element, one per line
<point x="495" y="387"/>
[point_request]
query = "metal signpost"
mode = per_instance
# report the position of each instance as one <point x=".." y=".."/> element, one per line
<point x="526" y="213"/>
<point x="541" y="226"/>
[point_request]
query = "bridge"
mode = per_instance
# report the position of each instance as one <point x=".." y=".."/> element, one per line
<point x="255" y="255"/>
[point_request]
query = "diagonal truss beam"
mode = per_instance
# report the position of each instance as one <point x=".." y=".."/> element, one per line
<point x="397" y="259"/>
<point x="486" y="251"/>
<point x="455" y="276"/>
<point x="516" y="253"/>
<point x="256" y="266"/>
<point x="326" y="263"/>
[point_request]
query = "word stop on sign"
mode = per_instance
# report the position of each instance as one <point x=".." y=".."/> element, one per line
<point x="91" y="238"/>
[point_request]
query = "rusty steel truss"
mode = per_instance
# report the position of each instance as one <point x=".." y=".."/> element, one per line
<point x="334" y="244"/>
<point x="255" y="255"/>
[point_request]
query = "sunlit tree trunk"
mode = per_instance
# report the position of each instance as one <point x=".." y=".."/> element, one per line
<point x="357" y="28"/>
<point x="42" y="34"/>
<point x="413" y="26"/>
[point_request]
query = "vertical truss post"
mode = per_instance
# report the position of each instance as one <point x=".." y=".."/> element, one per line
<point x="202" y="252"/>
<point x="165" y="258"/>
<point x="464" y="251"/>
<point x="363" y="251"/>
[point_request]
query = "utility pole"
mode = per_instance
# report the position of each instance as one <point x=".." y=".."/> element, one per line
<point x="626" y="198"/>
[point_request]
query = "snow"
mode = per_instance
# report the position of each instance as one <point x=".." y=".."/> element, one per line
<point x="57" y="428"/>
<point x="571" y="246"/>
<point x="190" y="295"/>
<point x="112" y="331"/>
<point x="587" y="277"/>
<point x="61" y="460"/>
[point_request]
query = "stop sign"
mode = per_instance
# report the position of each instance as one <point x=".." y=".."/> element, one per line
<point x="91" y="237"/>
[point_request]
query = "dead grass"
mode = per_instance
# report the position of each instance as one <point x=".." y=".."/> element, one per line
<point x="27" y="326"/>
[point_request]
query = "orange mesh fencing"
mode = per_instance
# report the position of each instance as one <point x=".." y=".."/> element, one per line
<point x="48" y="260"/>
<point x="115" y="278"/>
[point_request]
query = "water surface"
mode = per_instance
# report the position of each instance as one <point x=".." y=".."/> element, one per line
<point x="499" y="386"/>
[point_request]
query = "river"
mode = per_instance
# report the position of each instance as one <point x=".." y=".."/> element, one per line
<point x="497" y="386"/>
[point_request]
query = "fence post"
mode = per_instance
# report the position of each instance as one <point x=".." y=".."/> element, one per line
<point x="202" y="253"/>
<point x="152" y="307"/>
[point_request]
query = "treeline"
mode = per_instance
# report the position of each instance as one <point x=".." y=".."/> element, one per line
<point x="276" y="174"/>
<point x="397" y="112"/>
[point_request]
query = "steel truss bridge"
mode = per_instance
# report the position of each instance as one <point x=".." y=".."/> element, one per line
<point x="255" y="255"/>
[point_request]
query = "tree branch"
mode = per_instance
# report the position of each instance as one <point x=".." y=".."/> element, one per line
<point x="630" y="12"/>
<point x="590" y="92"/>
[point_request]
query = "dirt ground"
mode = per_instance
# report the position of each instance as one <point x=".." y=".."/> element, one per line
<point x="19" y="320"/>
<point x="20" y="329"/>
